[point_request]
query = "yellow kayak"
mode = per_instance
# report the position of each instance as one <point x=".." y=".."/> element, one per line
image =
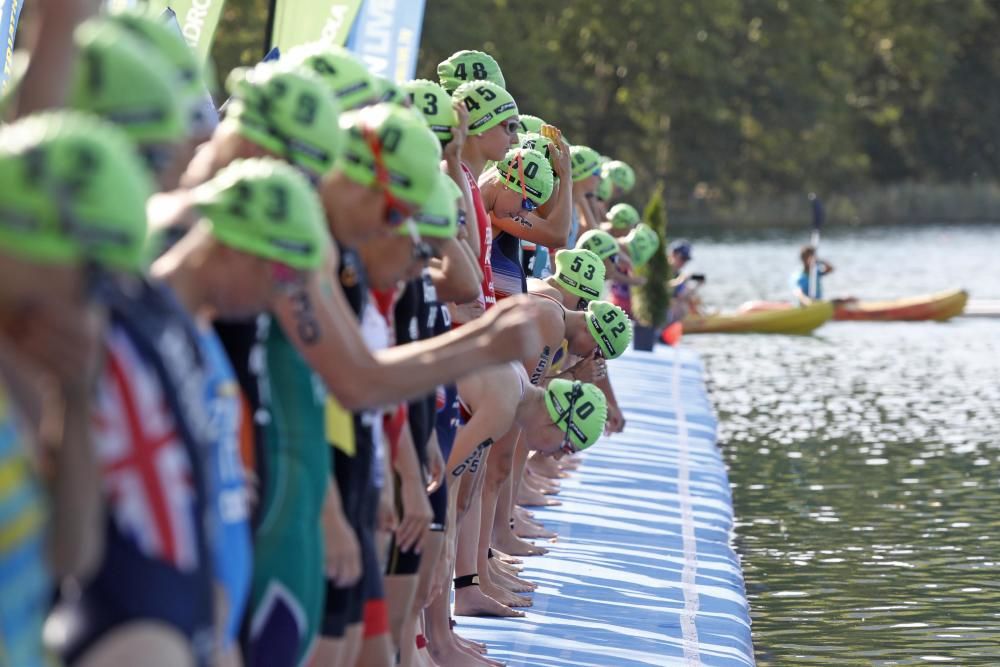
<point x="784" y="321"/>
<point x="940" y="307"/>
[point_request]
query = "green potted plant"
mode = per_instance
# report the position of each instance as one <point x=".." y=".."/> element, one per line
<point x="653" y="298"/>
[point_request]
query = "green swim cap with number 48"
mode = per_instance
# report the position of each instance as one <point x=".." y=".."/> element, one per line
<point x="465" y="66"/>
<point x="265" y="207"/>
<point x="579" y="408"/>
<point x="487" y="103"/>
<point x="581" y="273"/>
<point x="610" y="327"/>
<point x="72" y="189"/>
<point x="288" y="111"/>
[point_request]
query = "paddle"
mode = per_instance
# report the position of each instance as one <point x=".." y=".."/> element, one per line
<point x="818" y="217"/>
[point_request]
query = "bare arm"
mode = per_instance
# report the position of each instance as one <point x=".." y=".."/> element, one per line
<point x="492" y="395"/>
<point x="322" y="326"/>
<point x="531" y="227"/>
<point x="454" y="274"/>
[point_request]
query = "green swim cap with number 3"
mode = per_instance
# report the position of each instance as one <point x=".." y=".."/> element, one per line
<point x="580" y="409"/>
<point x="265" y="207"/>
<point x="289" y="112"/>
<point x="465" y="66"/>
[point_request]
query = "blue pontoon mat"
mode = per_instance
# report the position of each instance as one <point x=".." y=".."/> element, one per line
<point x="643" y="572"/>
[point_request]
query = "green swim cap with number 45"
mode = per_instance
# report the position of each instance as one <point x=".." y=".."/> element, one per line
<point x="528" y="173"/>
<point x="599" y="242"/>
<point x="580" y="409"/>
<point x="72" y="189"/>
<point x="392" y="143"/>
<point x="487" y="103"/>
<point x="435" y="104"/>
<point x="465" y="66"/>
<point x="580" y="272"/>
<point x="610" y="327"/>
<point x="288" y="111"/>
<point x="265" y="207"/>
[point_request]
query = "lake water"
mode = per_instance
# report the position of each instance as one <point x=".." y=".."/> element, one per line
<point x="864" y="458"/>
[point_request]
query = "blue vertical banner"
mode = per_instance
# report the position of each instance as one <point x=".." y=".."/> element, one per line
<point x="10" y="13"/>
<point x="386" y="36"/>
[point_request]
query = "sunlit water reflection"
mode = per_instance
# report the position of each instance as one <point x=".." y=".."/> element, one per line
<point x="864" y="458"/>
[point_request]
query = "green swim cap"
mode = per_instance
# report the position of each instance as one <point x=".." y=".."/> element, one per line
<point x="487" y="103"/>
<point x="267" y="208"/>
<point x="72" y="189"/>
<point x="410" y="152"/>
<point x="623" y="216"/>
<point x="642" y="243"/>
<point x="439" y="216"/>
<point x="581" y="273"/>
<point x="465" y="66"/>
<point x="342" y="72"/>
<point x="116" y="78"/>
<point x="536" y="142"/>
<point x="390" y="92"/>
<point x="610" y="327"/>
<point x="585" y="424"/>
<point x="531" y="124"/>
<point x="620" y="173"/>
<point x="605" y="189"/>
<point x="523" y="165"/>
<point x="585" y="161"/>
<point x="435" y="104"/>
<point x="650" y="234"/>
<point x="171" y="46"/>
<point x="287" y="111"/>
<point x="599" y="242"/>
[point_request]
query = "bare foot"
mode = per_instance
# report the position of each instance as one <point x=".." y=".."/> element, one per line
<point x="517" y="547"/>
<point x="528" y="529"/>
<point x="523" y="513"/>
<point x="471" y="601"/>
<point x="546" y="467"/>
<point x="468" y="644"/>
<point x="507" y="559"/>
<point x="510" y="581"/>
<point x="505" y="597"/>
<point x="452" y="654"/>
<point x="530" y="498"/>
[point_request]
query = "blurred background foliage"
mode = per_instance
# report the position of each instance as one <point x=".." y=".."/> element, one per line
<point x="888" y="108"/>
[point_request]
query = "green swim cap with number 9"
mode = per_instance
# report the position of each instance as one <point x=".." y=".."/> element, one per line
<point x="523" y="166"/>
<point x="72" y="189"/>
<point x="408" y="150"/>
<point x="487" y="103"/>
<point x="340" y="70"/>
<point x="623" y="216"/>
<point x="580" y="272"/>
<point x="585" y="424"/>
<point x="120" y="80"/>
<point x="267" y="208"/>
<point x="465" y="66"/>
<point x="435" y="104"/>
<point x="599" y="242"/>
<point x="610" y="327"/>
<point x="586" y="161"/>
<point x="287" y="111"/>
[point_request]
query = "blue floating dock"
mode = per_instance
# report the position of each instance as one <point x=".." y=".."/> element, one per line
<point x="643" y="572"/>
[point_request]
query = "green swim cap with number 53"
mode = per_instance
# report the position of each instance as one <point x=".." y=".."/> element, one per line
<point x="266" y="208"/>
<point x="288" y="111"/>
<point x="581" y="273"/>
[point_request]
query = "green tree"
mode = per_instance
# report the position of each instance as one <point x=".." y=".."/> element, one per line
<point x="653" y="298"/>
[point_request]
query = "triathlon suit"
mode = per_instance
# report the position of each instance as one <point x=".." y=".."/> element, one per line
<point x="287" y="598"/>
<point x="152" y="440"/>
<point x="485" y="239"/>
<point x="508" y="275"/>
<point x="232" y="549"/>
<point x="25" y="585"/>
<point x="352" y="438"/>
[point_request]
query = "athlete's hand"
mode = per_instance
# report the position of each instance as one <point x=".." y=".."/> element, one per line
<point x="435" y="465"/>
<point x="64" y="344"/>
<point x="464" y="313"/>
<point x="616" y="420"/>
<point x="417" y="515"/>
<point x="562" y="163"/>
<point x="513" y="325"/>
<point x="343" y="552"/>
<point x="459" y="133"/>
<point x="591" y="369"/>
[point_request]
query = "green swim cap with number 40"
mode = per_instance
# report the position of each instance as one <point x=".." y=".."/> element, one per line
<point x="393" y="143"/>
<point x="487" y="103"/>
<point x="465" y="66"/>
<point x="527" y="172"/>
<point x="287" y="111"/>
<point x="435" y="104"/>
<point x="72" y="189"/>
<point x="265" y="207"/>
<point x="580" y="409"/>
<point x="581" y="273"/>
<point x="610" y="327"/>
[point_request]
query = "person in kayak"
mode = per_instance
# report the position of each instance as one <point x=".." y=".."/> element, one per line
<point x="684" y="286"/>
<point x="800" y="280"/>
